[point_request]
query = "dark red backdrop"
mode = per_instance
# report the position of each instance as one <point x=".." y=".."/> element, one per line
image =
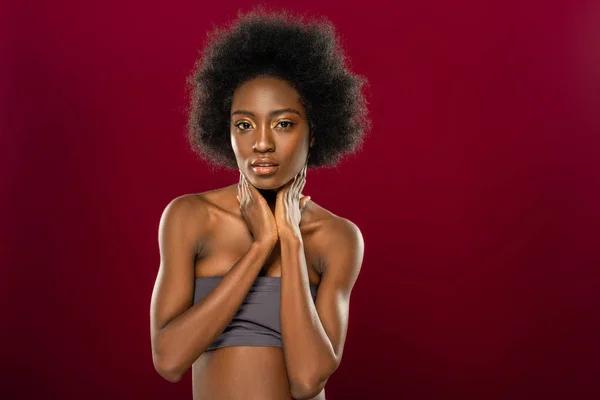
<point x="477" y="194"/>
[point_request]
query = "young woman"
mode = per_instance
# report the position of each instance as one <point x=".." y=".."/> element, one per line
<point x="254" y="283"/>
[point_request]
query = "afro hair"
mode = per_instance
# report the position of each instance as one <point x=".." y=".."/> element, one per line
<point x="278" y="44"/>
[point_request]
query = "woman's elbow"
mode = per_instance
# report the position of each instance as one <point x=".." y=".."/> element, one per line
<point x="167" y="370"/>
<point x="305" y="390"/>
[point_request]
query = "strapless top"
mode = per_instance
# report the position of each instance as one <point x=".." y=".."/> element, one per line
<point x="256" y="323"/>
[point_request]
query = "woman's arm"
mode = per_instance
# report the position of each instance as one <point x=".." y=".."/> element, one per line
<point x="313" y="335"/>
<point x="180" y="333"/>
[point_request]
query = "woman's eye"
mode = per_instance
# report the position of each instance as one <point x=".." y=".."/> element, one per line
<point x="287" y="124"/>
<point x="243" y="123"/>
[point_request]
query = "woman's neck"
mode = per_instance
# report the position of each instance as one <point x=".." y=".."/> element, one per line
<point x="270" y="196"/>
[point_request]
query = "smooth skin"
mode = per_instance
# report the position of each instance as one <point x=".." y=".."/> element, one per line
<point x="261" y="226"/>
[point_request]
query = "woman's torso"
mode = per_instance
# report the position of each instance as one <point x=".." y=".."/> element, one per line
<point x="245" y="372"/>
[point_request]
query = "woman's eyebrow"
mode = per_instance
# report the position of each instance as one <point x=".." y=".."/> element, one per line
<point x="271" y="114"/>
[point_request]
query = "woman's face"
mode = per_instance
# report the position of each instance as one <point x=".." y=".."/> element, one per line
<point x="267" y="121"/>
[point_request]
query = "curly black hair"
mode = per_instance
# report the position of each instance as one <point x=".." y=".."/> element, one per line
<point x="278" y="44"/>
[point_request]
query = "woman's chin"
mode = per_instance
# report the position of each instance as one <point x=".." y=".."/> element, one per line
<point x="262" y="185"/>
<point x="268" y="187"/>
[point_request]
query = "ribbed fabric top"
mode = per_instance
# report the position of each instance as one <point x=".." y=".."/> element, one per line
<point x="256" y="323"/>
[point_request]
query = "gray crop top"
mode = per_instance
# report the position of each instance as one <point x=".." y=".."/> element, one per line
<point x="256" y="323"/>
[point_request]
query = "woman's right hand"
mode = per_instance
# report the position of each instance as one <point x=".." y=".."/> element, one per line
<point x="259" y="217"/>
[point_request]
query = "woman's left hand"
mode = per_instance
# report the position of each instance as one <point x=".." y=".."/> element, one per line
<point x="289" y="205"/>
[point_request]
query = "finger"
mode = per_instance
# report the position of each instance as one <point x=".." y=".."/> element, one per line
<point x="252" y="190"/>
<point x="297" y="186"/>
<point x="245" y="192"/>
<point x="245" y="181"/>
<point x="304" y="175"/>
<point x="247" y="189"/>
<point x="240" y="188"/>
<point x="291" y="190"/>
<point x="291" y="186"/>
<point x="304" y="172"/>
<point x="302" y="179"/>
<point x="299" y="181"/>
<point x="296" y="178"/>
<point x="304" y="202"/>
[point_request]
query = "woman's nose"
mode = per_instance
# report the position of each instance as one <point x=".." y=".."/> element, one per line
<point x="264" y="139"/>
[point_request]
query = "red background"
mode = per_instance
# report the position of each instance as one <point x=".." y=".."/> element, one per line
<point x="477" y="194"/>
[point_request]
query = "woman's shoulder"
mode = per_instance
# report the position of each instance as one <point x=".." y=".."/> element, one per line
<point x="332" y="224"/>
<point x="324" y="222"/>
<point x="197" y="214"/>
<point x="208" y="206"/>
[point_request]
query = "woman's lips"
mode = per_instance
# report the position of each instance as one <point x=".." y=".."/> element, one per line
<point x="265" y="170"/>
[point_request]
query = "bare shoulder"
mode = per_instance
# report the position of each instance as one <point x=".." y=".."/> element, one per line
<point x="335" y="234"/>
<point x="194" y="213"/>
<point x="185" y="208"/>
<point x="331" y="224"/>
<point x="220" y="200"/>
<point x="201" y="203"/>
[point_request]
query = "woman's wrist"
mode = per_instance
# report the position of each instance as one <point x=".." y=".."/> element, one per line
<point x="290" y="234"/>
<point x="265" y="244"/>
